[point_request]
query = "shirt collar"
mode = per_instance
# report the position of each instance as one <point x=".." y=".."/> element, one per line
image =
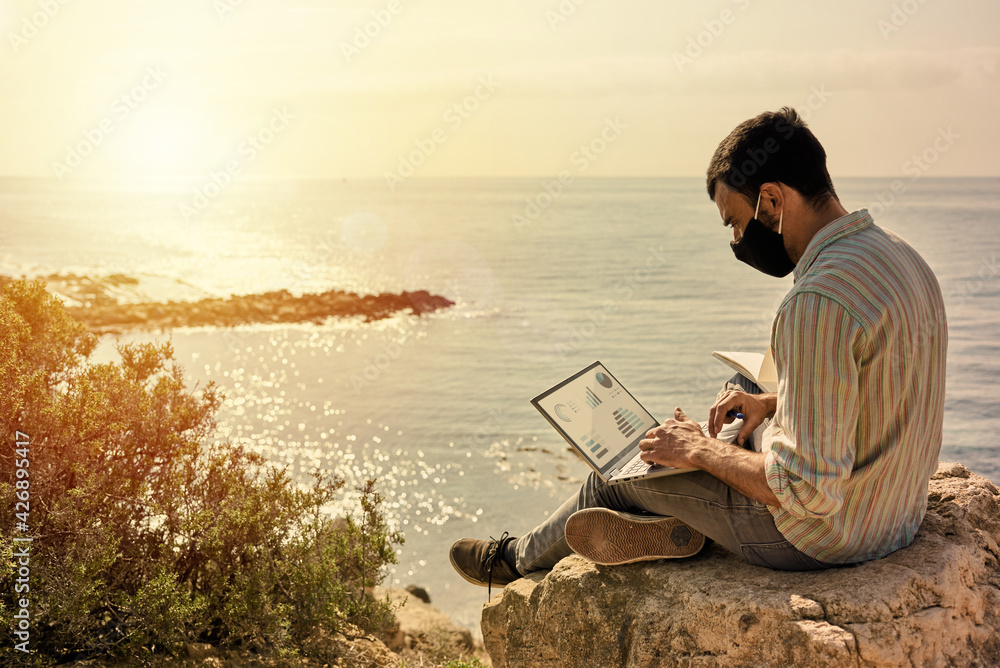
<point x="837" y="229"/>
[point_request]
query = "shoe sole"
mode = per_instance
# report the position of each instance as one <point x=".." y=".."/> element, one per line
<point x="611" y="538"/>
<point x="467" y="578"/>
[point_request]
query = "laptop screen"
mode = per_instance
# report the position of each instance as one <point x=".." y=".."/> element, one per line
<point x="597" y="415"/>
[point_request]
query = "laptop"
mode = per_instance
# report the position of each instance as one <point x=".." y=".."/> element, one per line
<point x="604" y="423"/>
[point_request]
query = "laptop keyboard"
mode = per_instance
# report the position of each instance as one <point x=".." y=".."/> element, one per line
<point x="636" y="466"/>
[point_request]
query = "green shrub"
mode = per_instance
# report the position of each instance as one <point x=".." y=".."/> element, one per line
<point x="146" y="534"/>
<point x="461" y="663"/>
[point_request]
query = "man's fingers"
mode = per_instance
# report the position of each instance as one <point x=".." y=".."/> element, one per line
<point x="719" y="418"/>
<point x="712" y="431"/>
<point x="744" y="434"/>
<point x="680" y="416"/>
<point x="734" y="401"/>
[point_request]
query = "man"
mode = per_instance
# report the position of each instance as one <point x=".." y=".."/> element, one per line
<point x="859" y="346"/>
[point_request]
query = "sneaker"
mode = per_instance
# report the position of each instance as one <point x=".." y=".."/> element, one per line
<point x="481" y="562"/>
<point x="610" y="537"/>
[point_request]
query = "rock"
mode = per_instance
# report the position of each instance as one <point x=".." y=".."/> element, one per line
<point x="107" y="316"/>
<point x="935" y="603"/>
<point x="420" y="623"/>
<point x="353" y="649"/>
<point x="419" y="592"/>
<point x="199" y="650"/>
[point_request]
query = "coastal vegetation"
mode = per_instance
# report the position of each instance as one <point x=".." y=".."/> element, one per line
<point x="145" y="533"/>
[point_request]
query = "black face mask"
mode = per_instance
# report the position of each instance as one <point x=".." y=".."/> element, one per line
<point x="763" y="249"/>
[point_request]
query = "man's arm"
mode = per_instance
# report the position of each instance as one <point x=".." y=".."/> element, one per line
<point x="680" y="443"/>
<point x="741" y="469"/>
<point x="811" y="452"/>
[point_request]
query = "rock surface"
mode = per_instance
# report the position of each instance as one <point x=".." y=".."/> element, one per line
<point x="419" y="623"/>
<point x="934" y="603"/>
<point x="269" y="307"/>
<point x="95" y="303"/>
<point x="348" y="648"/>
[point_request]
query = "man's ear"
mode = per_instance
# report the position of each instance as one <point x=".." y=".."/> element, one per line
<point x="772" y="198"/>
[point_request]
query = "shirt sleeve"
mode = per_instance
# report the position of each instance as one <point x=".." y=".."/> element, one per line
<point x="810" y="447"/>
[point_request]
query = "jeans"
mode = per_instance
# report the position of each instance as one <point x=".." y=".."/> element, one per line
<point x="743" y="526"/>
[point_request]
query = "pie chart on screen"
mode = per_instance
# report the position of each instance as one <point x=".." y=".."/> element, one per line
<point x="563" y="414"/>
<point x="603" y="380"/>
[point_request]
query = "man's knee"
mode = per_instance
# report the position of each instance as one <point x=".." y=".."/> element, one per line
<point x="595" y="485"/>
<point x="742" y="383"/>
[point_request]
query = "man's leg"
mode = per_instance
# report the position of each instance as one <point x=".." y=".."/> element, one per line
<point x="740" y="524"/>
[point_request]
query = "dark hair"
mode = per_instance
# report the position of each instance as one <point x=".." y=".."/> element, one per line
<point x="774" y="146"/>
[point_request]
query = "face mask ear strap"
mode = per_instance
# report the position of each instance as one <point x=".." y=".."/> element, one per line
<point x="781" y="214"/>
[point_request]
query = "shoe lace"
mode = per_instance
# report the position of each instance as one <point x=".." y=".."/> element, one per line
<point x="493" y="552"/>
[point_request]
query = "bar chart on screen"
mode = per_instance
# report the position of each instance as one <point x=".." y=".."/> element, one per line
<point x="592" y="442"/>
<point x="627" y="421"/>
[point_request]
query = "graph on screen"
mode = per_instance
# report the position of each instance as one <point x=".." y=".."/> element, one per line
<point x="592" y="441"/>
<point x="627" y="421"/>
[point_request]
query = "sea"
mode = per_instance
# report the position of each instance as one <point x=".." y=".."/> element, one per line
<point x="547" y="277"/>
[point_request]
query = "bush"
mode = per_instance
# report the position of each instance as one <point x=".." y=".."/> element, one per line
<point x="145" y="534"/>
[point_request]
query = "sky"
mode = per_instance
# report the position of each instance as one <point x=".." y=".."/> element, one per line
<point x="470" y="88"/>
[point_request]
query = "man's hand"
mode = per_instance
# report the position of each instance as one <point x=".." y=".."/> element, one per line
<point x="671" y="443"/>
<point x="682" y="444"/>
<point x="755" y="408"/>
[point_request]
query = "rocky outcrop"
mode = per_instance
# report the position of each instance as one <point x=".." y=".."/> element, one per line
<point x="419" y="624"/>
<point x="93" y="302"/>
<point x="421" y="635"/>
<point x="934" y="603"/>
<point x="269" y="307"/>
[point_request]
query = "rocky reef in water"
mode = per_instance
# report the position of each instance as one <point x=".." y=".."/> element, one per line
<point x="933" y="603"/>
<point x="95" y="303"/>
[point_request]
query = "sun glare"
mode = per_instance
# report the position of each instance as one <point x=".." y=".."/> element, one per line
<point x="163" y="144"/>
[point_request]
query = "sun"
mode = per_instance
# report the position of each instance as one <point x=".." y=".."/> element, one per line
<point x="162" y="142"/>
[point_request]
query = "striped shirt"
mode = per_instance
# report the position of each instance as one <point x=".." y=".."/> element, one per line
<point x="859" y="346"/>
